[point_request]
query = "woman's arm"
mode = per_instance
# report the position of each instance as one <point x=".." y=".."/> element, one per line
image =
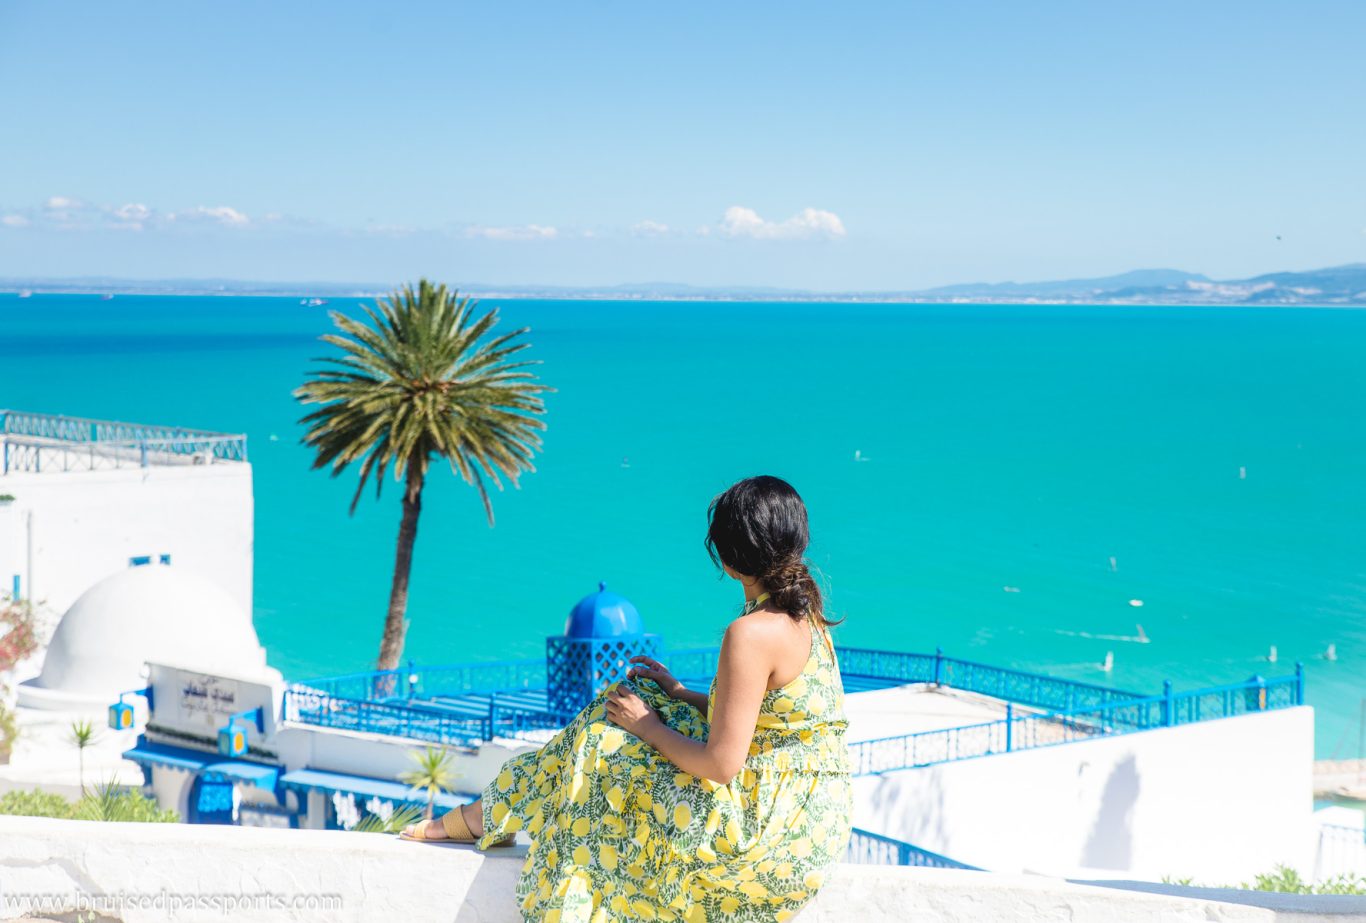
<point x="742" y="678"/>
<point x="697" y="700"/>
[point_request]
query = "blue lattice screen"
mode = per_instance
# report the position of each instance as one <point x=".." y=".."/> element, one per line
<point x="577" y="669"/>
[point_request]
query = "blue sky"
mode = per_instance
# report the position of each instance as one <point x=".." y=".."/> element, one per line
<point x="815" y="145"/>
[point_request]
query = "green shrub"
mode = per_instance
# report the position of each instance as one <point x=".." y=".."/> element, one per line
<point x="1342" y="884"/>
<point x="1285" y="880"/>
<point x="109" y="801"/>
<point x="36" y="803"/>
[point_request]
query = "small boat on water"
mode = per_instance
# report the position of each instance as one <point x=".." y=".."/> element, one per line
<point x="313" y="302"/>
<point x="106" y="297"/>
<point x="25" y="293"/>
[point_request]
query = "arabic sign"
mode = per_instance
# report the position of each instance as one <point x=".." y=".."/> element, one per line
<point x="201" y="703"/>
<point x="209" y="695"/>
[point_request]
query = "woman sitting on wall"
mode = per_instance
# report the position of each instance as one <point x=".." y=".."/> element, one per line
<point x="660" y="802"/>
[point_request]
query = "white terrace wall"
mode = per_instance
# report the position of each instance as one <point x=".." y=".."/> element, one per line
<point x="1218" y="801"/>
<point x="150" y="873"/>
<point x="87" y="524"/>
<point x="382" y="757"/>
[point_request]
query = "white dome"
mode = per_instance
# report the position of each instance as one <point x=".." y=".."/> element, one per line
<point x="155" y="613"/>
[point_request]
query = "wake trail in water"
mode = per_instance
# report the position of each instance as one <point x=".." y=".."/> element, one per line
<point x="1140" y="638"/>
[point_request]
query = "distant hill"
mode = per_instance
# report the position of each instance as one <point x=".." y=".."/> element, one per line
<point x="1137" y="279"/>
<point x="1336" y="285"/>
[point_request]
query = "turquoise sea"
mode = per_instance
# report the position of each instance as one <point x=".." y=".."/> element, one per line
<point x="1217" y="455"/>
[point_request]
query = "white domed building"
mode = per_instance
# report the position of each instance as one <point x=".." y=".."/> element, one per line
<point x="154" y="613"/>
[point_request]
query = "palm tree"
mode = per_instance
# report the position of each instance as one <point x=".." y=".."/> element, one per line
<point x="420" y="377"/>
<point x="431" y="772"/>
<point x="82" y="735"/>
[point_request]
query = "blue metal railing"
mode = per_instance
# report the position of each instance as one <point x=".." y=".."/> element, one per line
<point x="466" y="678"/>
<point x="410" y="719"/>
<point x="1046" y="728"/>
<point x="49" y="442"/>
<point x="868" y="848"/>
<point x="856" y="664"/>
<point x="503" y="698"/>
<point x="1035" y="689"/>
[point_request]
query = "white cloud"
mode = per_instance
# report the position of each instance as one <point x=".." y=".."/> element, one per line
<point x="648" y="228"/>
<point x="219" y="214"/>
<point x="133" y="211"/>
<point x="130" y="217"/>
<point x="65" y="213"/>
<point x="516" y="232"/>
<point x="808" y="223"/>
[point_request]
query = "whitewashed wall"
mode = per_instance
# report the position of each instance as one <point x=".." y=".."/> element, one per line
<point x="1218" y="801"/>
<point x="87" y="524"/>
<point x="179" y="872"/>
<point x="383" y="757"/>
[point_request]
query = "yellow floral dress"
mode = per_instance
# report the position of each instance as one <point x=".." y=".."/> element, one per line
<point x="620" y="833"/>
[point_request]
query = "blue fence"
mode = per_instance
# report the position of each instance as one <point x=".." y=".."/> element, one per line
<point x="1047" y="727"/>
<point x="1034" y="689"/>
<point x="467" y="703"/>
<point x="454" y="723"/>
<point x="868" y="848"/>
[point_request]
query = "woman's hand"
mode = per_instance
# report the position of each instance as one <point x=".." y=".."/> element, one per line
<point x="629" y="711"/>
<point x="650" y="668"/>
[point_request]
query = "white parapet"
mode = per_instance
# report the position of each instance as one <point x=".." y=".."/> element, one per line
<point x="1216" y="801"/>
<point x="149" y="873"/>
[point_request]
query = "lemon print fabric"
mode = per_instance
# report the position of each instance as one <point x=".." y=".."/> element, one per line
<point x="619" y="833"/>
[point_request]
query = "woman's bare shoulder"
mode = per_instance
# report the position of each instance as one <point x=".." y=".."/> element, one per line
<point x="771" y="631"/>
<point x="758" y="625"/>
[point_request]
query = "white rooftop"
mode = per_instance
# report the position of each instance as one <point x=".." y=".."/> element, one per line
<point x="914" y="708"/>
<point x="155" y="613"/>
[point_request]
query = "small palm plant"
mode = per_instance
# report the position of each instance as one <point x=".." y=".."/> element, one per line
<point x="399" y="818"/>
<point x="82" y="735"/>
<point x="422" y="376"/>
<point x="432" y="772"/>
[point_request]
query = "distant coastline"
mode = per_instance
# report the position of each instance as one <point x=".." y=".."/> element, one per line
<point x="1339" y="286"/>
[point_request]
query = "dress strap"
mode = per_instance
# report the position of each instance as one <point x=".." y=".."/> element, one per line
<point x="818" y="628"/>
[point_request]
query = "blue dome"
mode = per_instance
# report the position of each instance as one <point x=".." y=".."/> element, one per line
<point x="603" y="614"/>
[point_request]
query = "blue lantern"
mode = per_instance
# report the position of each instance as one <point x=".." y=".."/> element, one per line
<point x="234" y="737"/>
<point x="120" y="716"/>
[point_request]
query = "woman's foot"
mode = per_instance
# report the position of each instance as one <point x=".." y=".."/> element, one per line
<point x="466" y="826"/>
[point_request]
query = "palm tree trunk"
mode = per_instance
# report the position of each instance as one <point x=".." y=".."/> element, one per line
<point x="395" y="623"/>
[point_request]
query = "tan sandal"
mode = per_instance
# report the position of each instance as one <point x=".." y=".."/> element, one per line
<point x="456" y="830"/>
